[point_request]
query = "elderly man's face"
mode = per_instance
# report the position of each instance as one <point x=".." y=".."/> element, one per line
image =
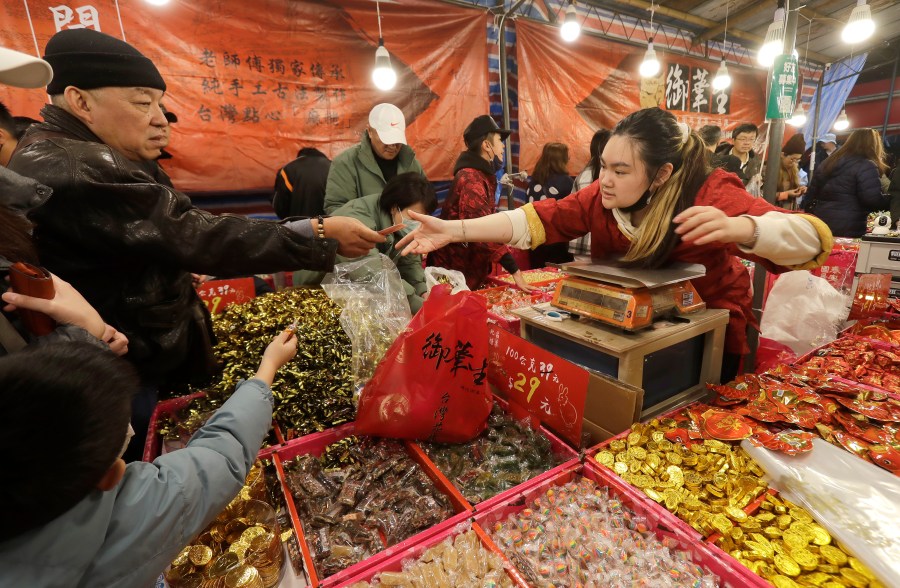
<point x="129" y="120"/>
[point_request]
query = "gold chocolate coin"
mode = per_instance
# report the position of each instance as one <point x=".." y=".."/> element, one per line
<point x="805" y="559"/>
<point x="620" y="468"/>
<point x="783" y="582"/>
<point x="605" y="458"/>
<point x="786" y="565"/>
<point x="735" y="514"/>
<point x="223" y="564"/>
<point x="833" y="555"/>
<point x="854" y="578"/>
<point x="633" y="438"/>
<point x="638" y="453"/>
<point x="243" y="577"/>
<point x="861" y="568"/>
<point x="653" y="494"/>
<point x="201" y="555"/>
<point x="819" y="535"/>
<point x="183" y="557"/>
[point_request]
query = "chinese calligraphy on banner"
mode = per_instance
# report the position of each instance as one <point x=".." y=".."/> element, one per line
<point x="600" y="84"/>
<point x="252" y="82"/>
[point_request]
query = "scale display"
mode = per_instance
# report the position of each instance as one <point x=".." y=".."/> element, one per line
<point x="595" y="298"/>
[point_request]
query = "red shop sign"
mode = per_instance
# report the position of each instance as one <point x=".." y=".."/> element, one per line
<point x="218" y="295"/>
<point x="548" y="387"/>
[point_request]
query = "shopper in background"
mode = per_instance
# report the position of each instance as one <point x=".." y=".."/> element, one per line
<point x="711" y="135"/>
<point x="87" y="519"/>
<point x="743" y="137"/>
<point x="825" y="146"/>
<point x="128" y="243"/>
<point x="589" y="175"/>
<point x="551" y="179"/>
<point x="76" y="319"/>
<point x="847" y="187"/>
<point x="366" y="168"/>
<point x="471" y="196"/>
<point x="790" y="186"/>
<point x="657" y="202"/>
<point x="300" y="185"/>
<point x="404" y="193"/>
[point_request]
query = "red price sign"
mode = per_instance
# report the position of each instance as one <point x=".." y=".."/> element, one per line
<point x="550" y="388"/>
<point x="218" y="295"/>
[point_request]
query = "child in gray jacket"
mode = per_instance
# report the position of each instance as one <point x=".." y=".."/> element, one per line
<point x="74" y="513"/>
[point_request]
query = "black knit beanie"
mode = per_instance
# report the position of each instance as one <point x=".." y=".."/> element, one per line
<point x="88" y="59"/>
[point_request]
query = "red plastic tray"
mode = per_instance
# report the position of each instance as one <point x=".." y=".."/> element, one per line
<point x="315" y="444"/>
<point x="731" y="573"/>
<point x="395" y="562"/>
<point x="153" y="441"/>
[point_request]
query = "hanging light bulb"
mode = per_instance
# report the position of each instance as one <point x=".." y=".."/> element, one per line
<point x="842" y="123"/>
<point x="157" y="2"/>
<point x="798" y="119"/>
<point x="774" y="43"/>
<point x="383" y="76"/>
<point x="570" y="29"/>
<point x="860" y="25"/>
<point x="722" y="79"/>
<point x="650" y="65"/>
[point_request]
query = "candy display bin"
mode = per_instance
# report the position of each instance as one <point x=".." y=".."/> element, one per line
<point x="316" y="444"/>
<point x="730" y="573"/>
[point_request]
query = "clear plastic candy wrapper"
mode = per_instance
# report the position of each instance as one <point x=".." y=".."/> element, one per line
<point x="357" y="492"/>
<point x="580" y="535"/>
<point x="457" y="562"/>
<point x="506" y="454"/>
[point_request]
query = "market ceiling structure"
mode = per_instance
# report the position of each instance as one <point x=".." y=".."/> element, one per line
<point x="700" y="24"/>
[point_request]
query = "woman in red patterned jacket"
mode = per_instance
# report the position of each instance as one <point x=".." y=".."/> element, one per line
<point x="657" y="201"/>
<point x="472" y="196"/>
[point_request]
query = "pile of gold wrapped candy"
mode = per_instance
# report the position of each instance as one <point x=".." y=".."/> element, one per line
<point x="241" y="548"/>
<point x="314" y="391"/>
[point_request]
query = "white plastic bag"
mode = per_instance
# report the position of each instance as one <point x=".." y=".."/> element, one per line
<point x="803" y="312"/>
<point x="440" y="275"/>
<point x="375" y="309"/>
<point x="858" y="502"/>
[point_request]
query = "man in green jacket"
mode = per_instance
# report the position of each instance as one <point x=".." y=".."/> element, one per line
<point x="404" y="192"/>
<point x="367" y="167"/>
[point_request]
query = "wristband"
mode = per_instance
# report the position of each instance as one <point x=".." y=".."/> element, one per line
<point x="320" y="228"/>
<point x="751" y="242"/>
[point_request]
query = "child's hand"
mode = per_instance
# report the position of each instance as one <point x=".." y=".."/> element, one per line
<point x="280" y="351"/>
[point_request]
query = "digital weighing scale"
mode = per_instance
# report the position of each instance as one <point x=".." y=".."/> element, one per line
<point x="626" y="297"/>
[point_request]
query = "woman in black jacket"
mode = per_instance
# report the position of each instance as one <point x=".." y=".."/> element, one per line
<point x="848" y="187"/>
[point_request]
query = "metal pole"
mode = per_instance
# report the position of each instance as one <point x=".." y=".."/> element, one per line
<point x="890" y="97"/>
<point x="504" y="92"/>
<point x="770" y="188"/>
<point x="812" y="154"/>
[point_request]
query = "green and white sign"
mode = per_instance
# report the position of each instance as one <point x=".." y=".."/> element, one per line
<point x="785" y="77"/>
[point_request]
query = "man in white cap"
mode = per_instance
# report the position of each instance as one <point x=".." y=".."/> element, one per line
<point x="381" y="154"/>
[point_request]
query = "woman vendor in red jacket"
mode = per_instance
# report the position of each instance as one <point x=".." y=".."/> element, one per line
<point x="656" y="202"/>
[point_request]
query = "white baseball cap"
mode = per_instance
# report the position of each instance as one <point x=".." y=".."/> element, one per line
<point x="389" y="122"/>
<point x="22" y="70"/>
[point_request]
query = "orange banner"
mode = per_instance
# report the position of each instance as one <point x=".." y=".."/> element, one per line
<point x="596" y="82"/>
<point x="252" y="82"/>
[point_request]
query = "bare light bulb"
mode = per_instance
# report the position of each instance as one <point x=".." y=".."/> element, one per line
<point x="798" y="119"/>
<point x="722" y="79"/>
<point x="383" y="76"/>
<point x="570" y="29"/>
<point x="842" y="123"/>
<point x="860" y="25"/>
<point x="650" y="66"/>
<point x="773" y="46"/>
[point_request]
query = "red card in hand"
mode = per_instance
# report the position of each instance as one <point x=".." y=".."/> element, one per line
<point x="391" y="229"/>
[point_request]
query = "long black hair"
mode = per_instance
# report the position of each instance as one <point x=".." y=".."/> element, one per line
<point x="659" y="139"/>
<point x="598" y="142"/>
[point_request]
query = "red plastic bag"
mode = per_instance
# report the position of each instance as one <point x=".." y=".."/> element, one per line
<point x="771" y="353"/>
<point x="432" y="383"/>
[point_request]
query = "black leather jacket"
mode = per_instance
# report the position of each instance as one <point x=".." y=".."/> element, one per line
<point x="128" y="243"/>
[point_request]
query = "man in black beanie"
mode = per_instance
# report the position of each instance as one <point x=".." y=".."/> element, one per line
<point x="129" y="243"/>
